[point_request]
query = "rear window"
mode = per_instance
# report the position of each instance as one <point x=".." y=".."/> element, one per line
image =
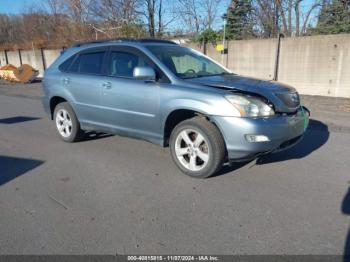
<point x="65" y="65"/>
<point x="88" y="63"/>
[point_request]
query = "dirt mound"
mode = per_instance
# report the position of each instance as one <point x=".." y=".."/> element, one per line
<point x="7" y="72"/>
<point x="25" y="73"/>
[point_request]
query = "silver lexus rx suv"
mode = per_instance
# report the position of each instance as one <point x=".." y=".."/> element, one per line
<point x="173" y="96"/>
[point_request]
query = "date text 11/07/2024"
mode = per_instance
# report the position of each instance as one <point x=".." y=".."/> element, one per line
<point x="173" y="258"/>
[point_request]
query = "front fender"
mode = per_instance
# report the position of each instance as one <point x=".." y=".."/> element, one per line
<point x="216" y="106"/>
<point x="211" y="107"/>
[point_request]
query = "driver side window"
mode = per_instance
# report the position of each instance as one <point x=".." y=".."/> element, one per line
<point x="122" y="64"/>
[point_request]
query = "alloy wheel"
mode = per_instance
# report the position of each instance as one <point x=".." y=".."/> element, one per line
<point x="191" y="149"/>
<point x="64" y="123"/>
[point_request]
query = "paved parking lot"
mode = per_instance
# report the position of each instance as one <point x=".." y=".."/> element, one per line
<point x="111" y="194"/>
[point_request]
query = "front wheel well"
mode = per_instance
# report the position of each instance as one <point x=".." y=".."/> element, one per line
<point x="174" y="118"/>
<point x="54" y="101"/>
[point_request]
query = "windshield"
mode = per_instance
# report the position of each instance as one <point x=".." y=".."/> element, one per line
<point x="185" y="63"/>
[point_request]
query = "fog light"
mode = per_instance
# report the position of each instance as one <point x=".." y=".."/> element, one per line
<point x="256" y="138"/>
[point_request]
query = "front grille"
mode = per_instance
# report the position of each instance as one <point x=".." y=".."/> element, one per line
<point x="291" y="100"/>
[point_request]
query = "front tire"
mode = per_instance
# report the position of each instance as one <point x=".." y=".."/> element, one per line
<point x="197" y="147"/>
<point x="67" y="124"/>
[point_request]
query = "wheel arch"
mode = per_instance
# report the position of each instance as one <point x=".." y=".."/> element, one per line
<point x="54" y="101"/>
<point x="178" y="115"/>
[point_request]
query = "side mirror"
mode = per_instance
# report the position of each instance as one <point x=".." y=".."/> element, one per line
<point x="144" y="73"/>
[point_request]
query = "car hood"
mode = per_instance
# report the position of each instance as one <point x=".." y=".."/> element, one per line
<point x="284" y="98"/>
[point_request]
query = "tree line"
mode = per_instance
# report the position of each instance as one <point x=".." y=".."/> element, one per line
<point x="60" y="23"/>
<point x="266" y="18"/>
<point x="247" y="19"/>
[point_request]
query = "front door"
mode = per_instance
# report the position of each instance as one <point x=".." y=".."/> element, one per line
<point x="130" y="105"/>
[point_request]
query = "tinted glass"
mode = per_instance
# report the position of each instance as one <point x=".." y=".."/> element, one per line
<point x="65" y="65"/>
<point x="186" y="63"/>
<point x="122" y="64"/>
<point x="89" y="63"/>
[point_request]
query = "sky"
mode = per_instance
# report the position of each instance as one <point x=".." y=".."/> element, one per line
<point x="19" y="6"/>
<point x="16" y="6"/>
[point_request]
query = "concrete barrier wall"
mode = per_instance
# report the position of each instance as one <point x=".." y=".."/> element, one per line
<point x="315" y="65"/>
<point x="215" y="55"/>
<point x="51" y="55"/>
<point x="252" y="57"/>
<point x="2" y="58"/>
<point x="13" y="58"/>
<point x="31" y="57"/>
<point x="318" y="65"/>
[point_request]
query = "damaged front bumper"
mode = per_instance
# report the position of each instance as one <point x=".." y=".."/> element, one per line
<point x="276" y="133"/>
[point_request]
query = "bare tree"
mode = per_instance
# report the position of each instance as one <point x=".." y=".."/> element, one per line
<point x="150" y="16"/>
<point x="11" y="29"/>
<point x="79" y="10"/>
<point x="210" y="12"/>
<point x="307" y="15"/>
<point x="266" y="13"/>
<point x="115" y="12"/>
<point x="198" y="15"/>
<point x="296" y="26"/>
<point x="113" y="18"/>
<point x="160" y="18"/>
<point x="288" y="13"/>
<point x="157" y="14"/>
<point x="191" y="15"/>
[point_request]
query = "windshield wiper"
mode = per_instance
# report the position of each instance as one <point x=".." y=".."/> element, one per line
<point x="223" y="73"/>
<point x="205" y="75"/>
<point x="196" y="76"/>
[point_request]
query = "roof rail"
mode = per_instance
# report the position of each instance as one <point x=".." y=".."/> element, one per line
<point x="152" y="40"/>
<point x="141" y="40"/>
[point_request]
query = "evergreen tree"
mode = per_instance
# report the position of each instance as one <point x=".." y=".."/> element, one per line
<point x="207" y="36"/>
<point x="239" y="20"/>
<point x="334" y="18"/>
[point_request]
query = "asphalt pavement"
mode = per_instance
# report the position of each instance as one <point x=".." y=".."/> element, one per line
<point x="116" y="195"/>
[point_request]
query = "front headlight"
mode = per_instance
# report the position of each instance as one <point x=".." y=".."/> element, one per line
<point x="250" y="106"/>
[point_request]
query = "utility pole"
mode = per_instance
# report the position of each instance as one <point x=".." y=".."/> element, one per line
<point x="224" y="18"/>
<point x="277" y="60"/>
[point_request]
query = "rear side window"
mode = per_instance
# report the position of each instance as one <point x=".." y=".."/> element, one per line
<point x="122" y="64"/>
<point x="65" y="65"/>
<point x="88" y="63"/>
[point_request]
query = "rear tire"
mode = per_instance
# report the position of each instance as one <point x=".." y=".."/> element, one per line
<point x="197" y="147"/>
<point x="67" y="124"/>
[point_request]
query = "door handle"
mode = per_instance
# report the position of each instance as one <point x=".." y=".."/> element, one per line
<point x="66" y="80"/>
<point x="107" y="85"/>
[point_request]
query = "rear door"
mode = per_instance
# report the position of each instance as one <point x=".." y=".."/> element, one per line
<point x="131" y="105"/>
<point x="84" y="81"/>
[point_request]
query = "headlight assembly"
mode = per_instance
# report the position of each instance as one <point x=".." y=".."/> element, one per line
<point x="250" y="106"/>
